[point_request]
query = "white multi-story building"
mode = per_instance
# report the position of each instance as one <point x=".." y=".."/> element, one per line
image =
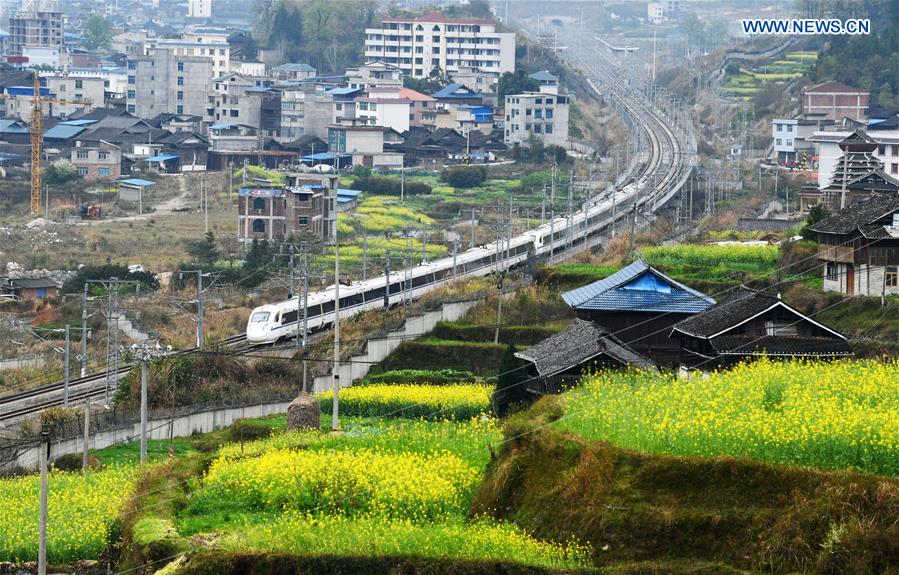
<point x="210" y="45"/>
<point x="199" y="8"/>
<point x="81" y="93"/>
<point x="829" y="153"/>
<point x="543" y="115"/>
<point x="789" y="137"/>
<point x="388" y="112"/>
<point x="418" y="45"/>
<point x="115" y="78"/>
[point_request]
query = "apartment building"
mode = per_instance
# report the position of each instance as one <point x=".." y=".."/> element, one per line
<point x="199" y="8"/>
<point x="304" y="206"/>
<point x="245" y="100"/>
<point x="164" y="81"/>
<point x="790" y="137"/>
<point x="835" y="101"/>
<point x="39" y="27"/>
<point x="422" y="108"/>
<point x="306" y="109"/>
<point x="543" y="115"/>
<point x="211" y="45"/>
<point x="374" y="74"/>
<point x="85" y="93"/>
<point x="388" y="112"/>
<point x="418" y="45"/>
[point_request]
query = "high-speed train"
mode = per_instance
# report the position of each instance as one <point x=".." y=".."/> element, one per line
<point x="273" y="322"/>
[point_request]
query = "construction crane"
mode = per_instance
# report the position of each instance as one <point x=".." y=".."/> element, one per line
<point x="37" y="139"/>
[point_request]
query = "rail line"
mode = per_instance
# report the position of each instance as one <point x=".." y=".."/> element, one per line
<point x="657" y="173"/>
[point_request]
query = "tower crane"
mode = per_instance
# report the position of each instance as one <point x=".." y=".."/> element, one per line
<point x="37" y="139"/>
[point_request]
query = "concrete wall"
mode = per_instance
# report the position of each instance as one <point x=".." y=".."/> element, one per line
<point x="158" y="428"/>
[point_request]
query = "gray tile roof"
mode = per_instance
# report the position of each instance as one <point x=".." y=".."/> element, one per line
<point x="856" y="215"/>
<point x="624" y="291"/>
<point x="580" y="342"/>
<point x="739" y="306"/>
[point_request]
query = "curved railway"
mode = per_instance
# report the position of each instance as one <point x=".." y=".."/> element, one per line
<point x="658" y="172"/>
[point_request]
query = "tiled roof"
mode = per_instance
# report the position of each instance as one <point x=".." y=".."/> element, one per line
<point x="33" y="283"/>
<point x="450" y="92"/>
<point x="782" y="346"/>
<point x="543" y="76"/>
<point x="832" y="86"/>
<point x="856" y="215"/>
<point x="739" y="306"/>
<point x="580" y="342"/>
<point x="763" y="225"/>
<point x="638" y="287"/>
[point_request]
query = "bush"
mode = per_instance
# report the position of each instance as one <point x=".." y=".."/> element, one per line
<point x="72" y="462"/>
<point x="513" y="334"/>
<point x="464" y="176"/>
<point x="75" y="284"/>
<point x="247" y="430"/>
<point x="420" y="376"/>
<point x="511" y="392"/>
<point x="389" y="186"/>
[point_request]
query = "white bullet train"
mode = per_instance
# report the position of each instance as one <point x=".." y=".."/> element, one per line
<point x="273" y="322"/>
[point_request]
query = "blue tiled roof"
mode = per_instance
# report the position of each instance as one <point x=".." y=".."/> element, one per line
<point x="63" y="132"/>
<point x="449" y="92"/>
<point x="638" y="287"/>
<point x="543" y="76"/>
<point x="348" y="193"/>
<point x="137" y="182"/>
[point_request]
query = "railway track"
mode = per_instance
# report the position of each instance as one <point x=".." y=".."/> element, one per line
<point x="658" y="172"/>
<point x="89" y="387"/>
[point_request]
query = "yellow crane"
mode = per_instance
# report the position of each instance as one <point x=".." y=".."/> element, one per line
<point x="37" y="139"/>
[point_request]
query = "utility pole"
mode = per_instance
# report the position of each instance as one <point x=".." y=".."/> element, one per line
<point x="455" y="253"/>
<point x="42" y="543"/>
<point x="87" y="434"/>
<point x="200" y="310"/>
<point x="65" y="392"/>
<point x="305" y="309"/>
<point x="205" y="191"/>
<point x="473" y="228"/>
<point x="387" y="280"/>
<point x="364" y="256"/>
<point x="402" y="185"/>
<point x="335" y="422"/>
<point x="143" y="404"/>
<point x="84" y="332"/>
<point x="424" y="246"/>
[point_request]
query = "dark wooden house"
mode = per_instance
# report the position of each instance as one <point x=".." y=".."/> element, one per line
<point x="859" y="246"/>
<point x="640" y="305"/>
<point x="751" y="324"/>
<point x="559" y="361"/>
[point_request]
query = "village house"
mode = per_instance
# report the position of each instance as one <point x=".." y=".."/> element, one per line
<point x="860" y="248"/>
<point x="640" y="305"/>
<point x="305" y="205"/>
<point x="751" y="324"/>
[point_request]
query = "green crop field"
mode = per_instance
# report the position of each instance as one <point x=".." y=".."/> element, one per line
<point x="835" y="415"/>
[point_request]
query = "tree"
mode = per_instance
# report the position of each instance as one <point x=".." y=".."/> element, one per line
<point x="205" y="251"/>
<point x="60" y="172"/>
<point x="817" y="213"/>
<point x="515" y="83"/>
<point x="97" y="32"/>
<point x="511" y="392"/>
<point x="885" y="95"/>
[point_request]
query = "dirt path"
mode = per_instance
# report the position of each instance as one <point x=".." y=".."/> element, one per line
<point x="167" y="207"/>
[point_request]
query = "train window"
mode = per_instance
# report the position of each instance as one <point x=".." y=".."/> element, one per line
<point x="289" y="317"/>
<point x="440" y="274"/>
<point x="419" y="281"/>
<point x="260" y="316"/>
<point x="328" y="306"/>
<point x="375" y="294"/>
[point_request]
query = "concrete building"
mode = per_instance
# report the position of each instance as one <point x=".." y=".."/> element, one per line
<point x="374" y="74"/>
<point x="164" y="81"/>
<point x="479" y="79"/>
<point x="827" y="148"/>
<point x="306" y="205"/>
<point x="115" y="78"/>
<point x="256" y="69"/>
<point x="418" y="45"/>
<point x="199" y="8"/>
<point x="212" y="46"/>
<point x="549" y="84"/>
<point x="790" y="137"/>
<point x="835" y="101"/>
<point x="388" y="112"/>
<point x="245" y="100"/>
<point x="101" y="162"/>
<point x="90" y="92"/>
<point x="39" y="27"/>
<point x="50" y="56"/>
<point x="306" y="109"/>
<point x="366" y="144"/>
<point x="543" y="115"/>
<point x="422" y="108"/>
<point x="293" y="72"/>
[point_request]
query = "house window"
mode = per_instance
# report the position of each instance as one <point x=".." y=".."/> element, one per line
<point x="180" y="66"/>
<point x="780" y="127"/>
<point x="79" y="84"/>
<point x="258" y="226"/>
<point x="303" y="220"/>
<point x="882" y="149"/>
<point x="789" y="142"/>
<point x="258" y="204"/>
<point x="179" y="109"/>
<point x="132" y="65"/>
<point x="103" y="155"/>
<point x="548" y="129"/>
<point x="131" y="108"/>
<point x="132" y="94"/>
<point x="895" y="150"/>
<point x="179" y="95"/>
<point x="82" y="171"/>
<point x="81" y="154"/>
<point x="180" y="80"/>
<point x="780" y="327"/>
<point x="779" y="142"/>
<point x="131" y="80"/>
<point x="892" y="277"/>
<point x="103" y="171"/>
<point x="894" y="168"/>
<point x="234" y="113"/>
<point x="830" y="271"/>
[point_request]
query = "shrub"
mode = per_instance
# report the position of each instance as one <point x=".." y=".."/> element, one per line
<point x="248" y="430"/>
<point x="389" y="186"/>
<point x="511" y="392"/>
<point x="420" y="376"/>
<point x="464" y="176"/>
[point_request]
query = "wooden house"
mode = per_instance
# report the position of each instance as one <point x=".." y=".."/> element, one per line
<point x="751" y="324"/>
<point x="640" y="305"/>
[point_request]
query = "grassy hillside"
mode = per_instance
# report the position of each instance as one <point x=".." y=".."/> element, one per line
<point x="645" y="513"/>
